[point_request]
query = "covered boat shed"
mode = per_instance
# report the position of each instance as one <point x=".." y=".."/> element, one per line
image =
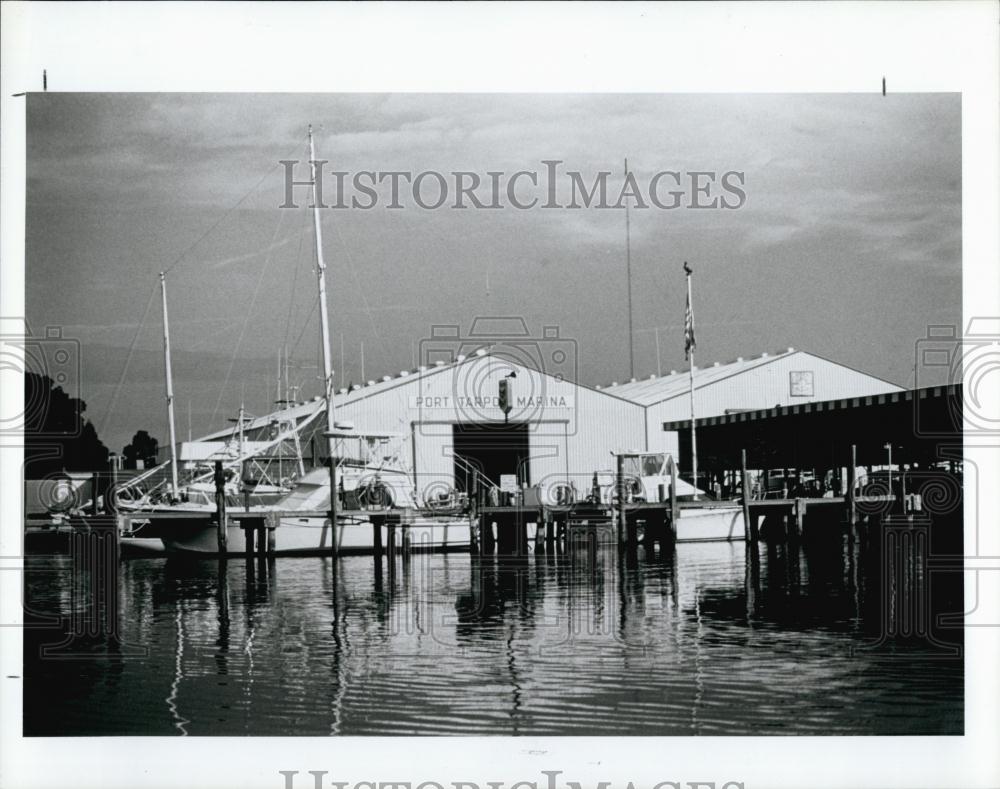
<point x="923" y="427"/>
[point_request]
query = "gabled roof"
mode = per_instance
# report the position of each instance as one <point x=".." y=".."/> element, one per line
<point x="653" y="390"/>
<point x="342" y="398"/>
<point x="649" y="391"/>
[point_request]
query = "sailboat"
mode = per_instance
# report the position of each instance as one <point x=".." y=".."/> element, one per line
<point x="366" y="479"/>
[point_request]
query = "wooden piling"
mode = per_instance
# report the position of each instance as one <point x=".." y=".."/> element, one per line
<point x="261" y="530"/>
<point x="749" y="527"/>
<point x="221" y="519"/>
<point x="272" y="538"/>
<point x="620" y="518"/>
<point x="95" y="480"/>
<point x="800" y="514"/>
<point x="110" y="505"/>
<point x="852" y="478"/>
<point x="674" y="509"/>
<point x="377" y="538"/>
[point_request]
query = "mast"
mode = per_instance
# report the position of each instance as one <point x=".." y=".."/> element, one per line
<point x="170" y="388"/>
<point x="324" y="323"/>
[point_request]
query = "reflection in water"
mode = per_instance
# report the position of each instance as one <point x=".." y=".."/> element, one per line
<point x="697" y="639"/>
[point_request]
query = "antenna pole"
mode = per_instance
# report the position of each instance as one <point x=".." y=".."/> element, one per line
<point x="628" y="277"/>
<point x="170" y="387"/>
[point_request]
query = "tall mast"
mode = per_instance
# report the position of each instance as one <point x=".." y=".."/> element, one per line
<point x="170" y="388"/>
<point x="324" y="323"/>
<point x="628" y="277"/>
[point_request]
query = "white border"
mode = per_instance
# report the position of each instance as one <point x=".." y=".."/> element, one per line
<point x="948" y="46"/>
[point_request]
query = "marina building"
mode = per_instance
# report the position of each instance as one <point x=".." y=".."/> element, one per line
<point x="495" y="415"/>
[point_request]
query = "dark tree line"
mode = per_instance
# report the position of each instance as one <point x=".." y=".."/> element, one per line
<point x="57" y="436"/>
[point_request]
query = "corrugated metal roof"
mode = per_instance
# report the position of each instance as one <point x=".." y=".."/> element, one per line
<point x="655" y="390"/>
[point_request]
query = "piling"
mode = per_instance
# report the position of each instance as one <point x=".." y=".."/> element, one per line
<point x="800" y="514"/>
<point x="110" y="505"/>
<point x="749" y="527"/>
<point x="272" y="537"/>
<point x="674" y="509"/>
<point x="220" y="507"/>
<point x="261" y="530"/>
<point x="377" y="538"/>
<point x="620" y="487"/>
<point x="852" y="475"/>
<point x="247" y="538"/>
<point x="95" y="480"/>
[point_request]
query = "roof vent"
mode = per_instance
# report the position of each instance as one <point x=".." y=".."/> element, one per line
<point x="791" y="349"/>
<point x="631" y="380"/>
<point x="480" y="352"/>
<point x="422" y="368"/>
<point x="342" y="391"/>
<point x="614" y="383"/>
<point x="715" y="364"/>
<point x="652" y="377"/>
<point x="739" y="358"/>
<point x="598" y="387"/>
<point x="371" y="383"/>
<point x="355" y="386"/>
<point x="763" y="355"/>
<point x="673" y="372"/>
<point x="403" y="373"/>
<point x="439" y="363"/>
<point x="460" y="357"/>
<point x="386" y="377"/>
<point x="316" y="399"/>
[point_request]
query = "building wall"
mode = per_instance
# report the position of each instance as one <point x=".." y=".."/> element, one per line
<point x="763" y="387"/>
<point x="573" y="429"/>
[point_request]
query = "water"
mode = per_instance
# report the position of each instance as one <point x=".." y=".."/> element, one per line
<point x="701" y="641"/>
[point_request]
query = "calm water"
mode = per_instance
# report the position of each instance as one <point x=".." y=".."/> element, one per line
<point x="701" y="641"/>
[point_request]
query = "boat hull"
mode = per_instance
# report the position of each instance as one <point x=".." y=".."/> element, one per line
<point x="313" y="536"/>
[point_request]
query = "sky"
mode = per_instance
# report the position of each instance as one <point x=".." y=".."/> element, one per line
<point x="848" y="243"/>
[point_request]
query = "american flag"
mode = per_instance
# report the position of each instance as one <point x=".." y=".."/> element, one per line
<point x="689" y="342"/>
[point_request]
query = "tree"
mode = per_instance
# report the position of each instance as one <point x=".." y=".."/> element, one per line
<point x="143" y="447"/>
<point x="57" y="436"/>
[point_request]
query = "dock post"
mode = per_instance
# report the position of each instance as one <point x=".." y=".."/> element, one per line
<point x="487" y="540"/>
<point x="852" y="478"/>
<point x="749" y="524"/>
<point x="674" y="509"/>
<point x="473" y="510"/>
<point x="377" y="538"/>
<point x="110" y="504"/>
<point x="95" y="481"/>
<point x="272" y="536"/>
<point x="800" y="514"/>
<point x="221" y="522"/>
<point x="261" y="530"/>
<point x="620" y="518"/>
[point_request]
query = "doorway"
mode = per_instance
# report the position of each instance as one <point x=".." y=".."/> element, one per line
<point x="489" y="451"/>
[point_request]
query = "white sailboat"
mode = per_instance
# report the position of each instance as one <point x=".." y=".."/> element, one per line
<point x="369" y="482"/>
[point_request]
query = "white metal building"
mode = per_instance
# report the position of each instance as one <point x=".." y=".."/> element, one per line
<point x="446" y="418"/>
<point x="744" y="384"/>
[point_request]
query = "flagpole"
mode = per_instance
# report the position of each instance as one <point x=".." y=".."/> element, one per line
<point x="689" y="347"/>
